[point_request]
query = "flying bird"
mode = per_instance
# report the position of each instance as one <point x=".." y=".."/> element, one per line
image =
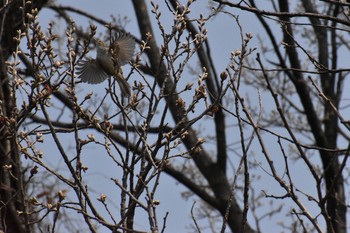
<point x="108" y="62"/>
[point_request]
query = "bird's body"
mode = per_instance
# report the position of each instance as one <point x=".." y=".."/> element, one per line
<point x="108" y="62"/>
<point x="104" y="59"/>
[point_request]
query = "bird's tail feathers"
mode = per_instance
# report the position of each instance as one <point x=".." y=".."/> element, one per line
<point x="123" y="84"/>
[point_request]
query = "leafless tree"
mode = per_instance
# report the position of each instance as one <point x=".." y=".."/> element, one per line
<point x="184" y="118"/>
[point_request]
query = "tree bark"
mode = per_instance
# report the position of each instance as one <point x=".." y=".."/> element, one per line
<point x="13" y="218"/>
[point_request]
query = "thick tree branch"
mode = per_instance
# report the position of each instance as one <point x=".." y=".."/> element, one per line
<point x="213" y="173"/>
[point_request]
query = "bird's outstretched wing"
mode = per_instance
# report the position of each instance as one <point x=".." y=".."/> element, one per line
<point x="90" y="71"/>
<point x="122" y="48"/>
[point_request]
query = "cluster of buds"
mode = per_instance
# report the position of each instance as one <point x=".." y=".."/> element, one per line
<point x="201" y="92"/>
